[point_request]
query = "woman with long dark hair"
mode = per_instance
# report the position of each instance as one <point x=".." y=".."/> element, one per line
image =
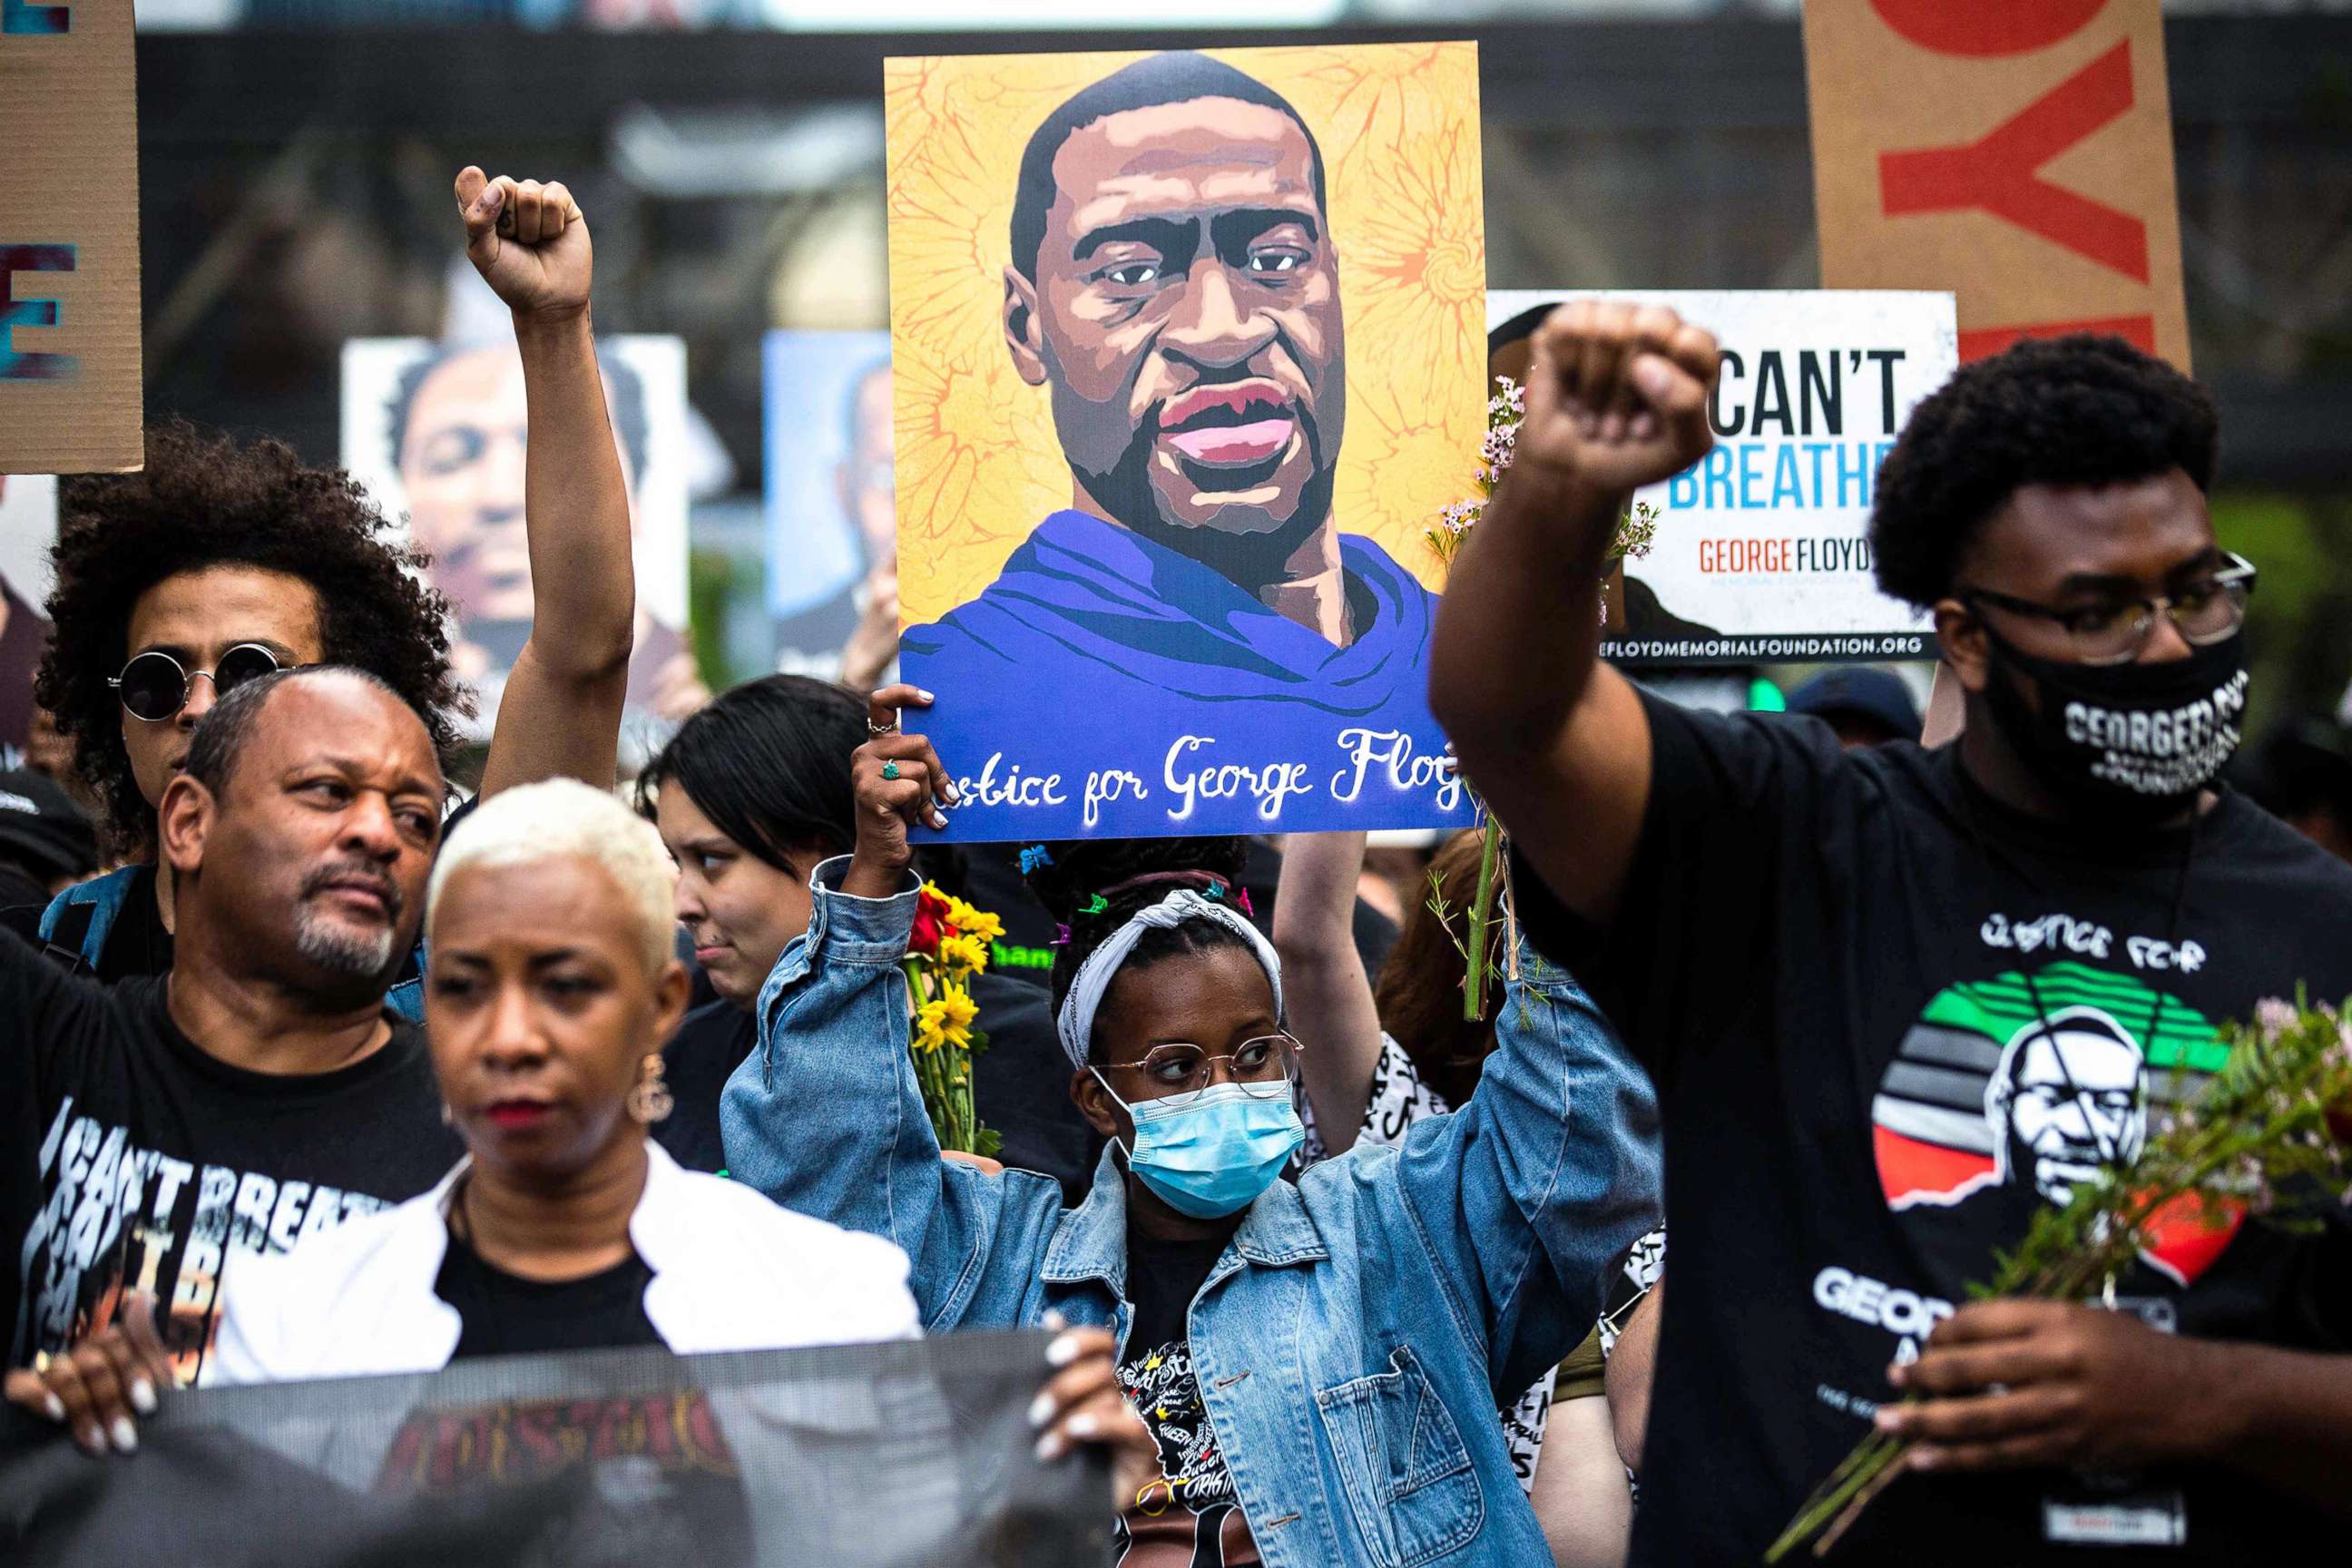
<point x="751" y="795"/>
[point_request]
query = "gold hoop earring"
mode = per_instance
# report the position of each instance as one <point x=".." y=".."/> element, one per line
<point x="650" y="1100"/>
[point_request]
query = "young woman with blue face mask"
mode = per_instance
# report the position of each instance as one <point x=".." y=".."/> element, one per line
<point x="1320" y="1361"/>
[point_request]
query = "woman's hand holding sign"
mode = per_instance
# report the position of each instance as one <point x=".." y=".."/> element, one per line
<point x="899" y="780"/>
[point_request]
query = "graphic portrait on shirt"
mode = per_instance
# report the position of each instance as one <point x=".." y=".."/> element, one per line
<point x="1761" y="551"/>
<point x="1188" y="351"/>
<point x="831" y="502"/>
<point x="2011" y="1094"/>
<point x="439" y="435"/>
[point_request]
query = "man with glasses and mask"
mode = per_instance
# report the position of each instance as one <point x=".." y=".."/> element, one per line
<point x="217" y="563"/>
<point x="1893" y="998"/>
<point x="160" y="1129"/>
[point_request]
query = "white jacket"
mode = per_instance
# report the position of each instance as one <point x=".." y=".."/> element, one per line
<point x="731" y="1271"/>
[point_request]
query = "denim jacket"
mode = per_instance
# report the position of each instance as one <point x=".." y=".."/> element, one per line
<point x="1354" y="1342"/>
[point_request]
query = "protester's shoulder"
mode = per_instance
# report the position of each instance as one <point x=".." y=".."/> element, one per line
<point x="2260" y="848"/>
<point x="1755" y="753"/>
<point x="305" y="1282"/>
<point x="23" y="921"/>
<point x="766" y="1238"/>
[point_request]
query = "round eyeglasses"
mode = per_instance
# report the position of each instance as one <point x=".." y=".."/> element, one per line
<point x="155" y="686"/>
<point x="1263" y="1068"/>
<point x="2206" y="611"/>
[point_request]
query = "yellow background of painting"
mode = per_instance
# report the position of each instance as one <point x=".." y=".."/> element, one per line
<point x="978" y="464"/>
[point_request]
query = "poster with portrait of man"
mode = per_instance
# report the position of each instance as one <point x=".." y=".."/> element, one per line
<point x="832" y="517"/>
<point x="438" y="434"/>
<point x="1762" y="551"/>
<point x="29" y="526"/>
<point x="1189" y="353"/>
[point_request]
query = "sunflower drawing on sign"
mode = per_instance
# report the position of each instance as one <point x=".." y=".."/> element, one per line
<point x="1187" y="349"/>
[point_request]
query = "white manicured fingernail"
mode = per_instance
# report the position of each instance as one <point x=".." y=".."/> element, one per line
<point x="1062" y="1352"/>
<point x="1081" y="1426"/>
<point x="142" y="1397"/>
<point x="54" y="1406"/>
<point x="926" y="697"/>
<point x="126" y="1436"/>
<point x="1056" y="1322"/>
<point x="1041" y="1409"/>
<point x="1049" y="1448"/>
<point x="92" y="1439"/>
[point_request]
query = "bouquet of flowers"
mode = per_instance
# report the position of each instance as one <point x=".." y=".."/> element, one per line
<point x="2269" y="1137"/>
<point x="1636" y="531"/>
<point x="949" y="945"/>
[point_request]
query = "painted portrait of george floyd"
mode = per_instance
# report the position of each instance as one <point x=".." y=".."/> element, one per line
<point x="1189" y="351"/>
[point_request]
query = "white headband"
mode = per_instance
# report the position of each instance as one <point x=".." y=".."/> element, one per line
<point x="1076" y="1023"/>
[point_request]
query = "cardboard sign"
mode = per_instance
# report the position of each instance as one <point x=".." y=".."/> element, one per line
<point x="2017" y="151"/>
<point x="70" y="386"/>
<point x="832" y="514"/>
<point x="1760" y="553"/>
<point x="1189" y="354"/>
<point x="436" y="433"/>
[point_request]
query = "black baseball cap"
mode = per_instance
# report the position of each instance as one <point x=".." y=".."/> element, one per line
<point x="1860" y="691"/>
<point x="41" y="828"/>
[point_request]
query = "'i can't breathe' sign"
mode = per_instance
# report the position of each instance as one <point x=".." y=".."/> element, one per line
<point x="1761" y="553"/>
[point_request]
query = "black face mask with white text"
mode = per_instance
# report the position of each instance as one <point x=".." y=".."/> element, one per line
<point x="2134" y="742"/>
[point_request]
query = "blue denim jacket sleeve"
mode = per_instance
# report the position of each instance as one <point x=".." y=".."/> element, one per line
<point x="824" y="1118"/>
<point x="1525" y="1196"/>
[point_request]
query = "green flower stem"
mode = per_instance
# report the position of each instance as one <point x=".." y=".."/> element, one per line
<point x="1482" y="913"/>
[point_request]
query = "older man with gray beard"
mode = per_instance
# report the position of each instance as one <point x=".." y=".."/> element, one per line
<point x="157" y="1130"/>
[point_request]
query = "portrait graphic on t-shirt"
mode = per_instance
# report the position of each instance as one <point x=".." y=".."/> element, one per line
<point x="1187" y="357"/>
<point x="2026" y="1086"/>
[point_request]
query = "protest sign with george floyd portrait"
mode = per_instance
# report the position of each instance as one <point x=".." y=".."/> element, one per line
<point x="1188" y="351"/>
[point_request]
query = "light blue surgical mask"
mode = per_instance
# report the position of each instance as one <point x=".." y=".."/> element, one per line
<point x="1209" y="1155"/>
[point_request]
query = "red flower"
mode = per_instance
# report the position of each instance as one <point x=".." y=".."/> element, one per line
<point x="930" y="924"/>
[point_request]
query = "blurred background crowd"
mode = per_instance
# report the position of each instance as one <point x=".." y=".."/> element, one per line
<point x="732" y="153"/>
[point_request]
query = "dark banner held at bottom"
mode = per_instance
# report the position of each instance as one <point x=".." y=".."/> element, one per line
<point x="913" y="1454"/>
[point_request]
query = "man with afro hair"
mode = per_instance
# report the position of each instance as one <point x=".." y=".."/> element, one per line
<point x="1825" y="956"/>
<point x="219" y="561"/>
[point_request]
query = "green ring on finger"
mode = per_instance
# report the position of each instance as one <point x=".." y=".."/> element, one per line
<point x="890" y="770"/>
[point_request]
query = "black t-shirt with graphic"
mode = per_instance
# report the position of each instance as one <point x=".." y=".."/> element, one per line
<point x="505" y="1314"/>
<point x="131" y="1160"/>
<point x="1190" y="1520"/>
<point x="1888" y="1019"/>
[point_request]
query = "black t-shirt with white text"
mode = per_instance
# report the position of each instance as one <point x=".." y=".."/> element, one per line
<point x="135" y="1162"/>
<point x="1888" y="1020"/>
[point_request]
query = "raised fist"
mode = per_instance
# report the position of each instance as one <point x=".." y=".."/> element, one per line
<point x="1616" y="396"/>
<point x="528" y="241"/>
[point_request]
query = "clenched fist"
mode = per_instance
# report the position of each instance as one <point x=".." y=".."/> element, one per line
<point x="528" y="241"/>
<point x="1616" y="396"/>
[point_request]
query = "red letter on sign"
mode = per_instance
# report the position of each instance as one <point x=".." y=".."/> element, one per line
<point x="1983" y="28"/>
<point x="2138" y="330"/>
<point x="1997" y="173"/>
